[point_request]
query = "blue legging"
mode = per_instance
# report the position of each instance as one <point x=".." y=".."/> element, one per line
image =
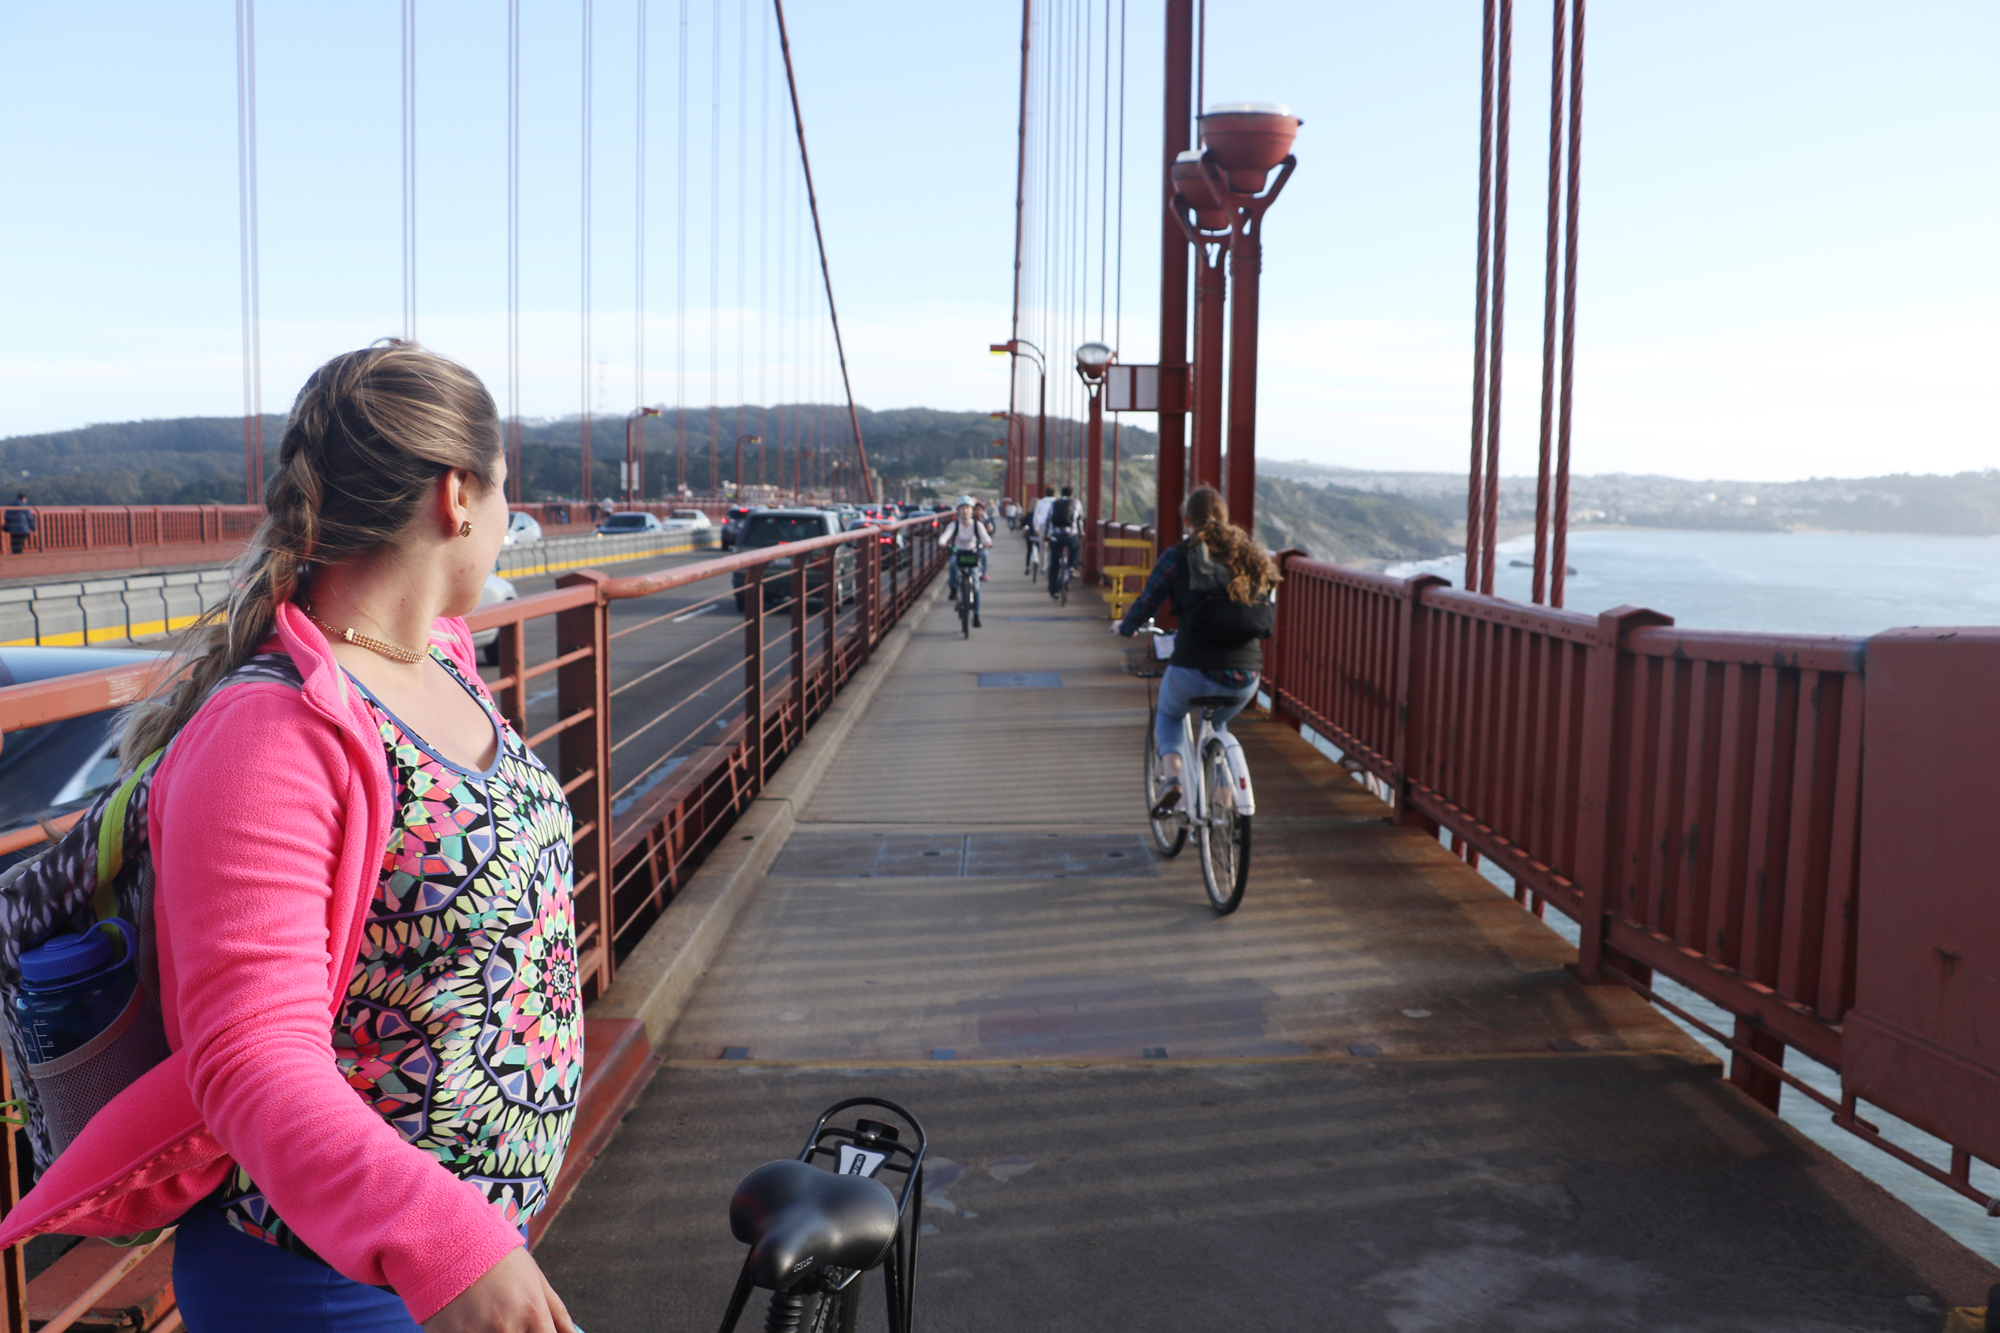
<point x="1179" y="686"/>
<point x="227" y="1282"/>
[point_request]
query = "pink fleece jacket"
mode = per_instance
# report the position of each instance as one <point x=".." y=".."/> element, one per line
<point x="268" y="819"/>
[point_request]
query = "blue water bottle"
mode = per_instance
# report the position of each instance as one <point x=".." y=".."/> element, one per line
<point x="73" y="987"/>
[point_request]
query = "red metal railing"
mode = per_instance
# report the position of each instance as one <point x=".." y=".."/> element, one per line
<point x="1691" y="799"/>
<point x="661" y="722"/>
<point x="104" y="527"/>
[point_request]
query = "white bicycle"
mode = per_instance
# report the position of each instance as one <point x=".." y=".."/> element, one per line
<point x="1217" y="801"/>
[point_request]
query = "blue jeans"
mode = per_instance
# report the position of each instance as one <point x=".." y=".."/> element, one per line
<point x="1179" y="687"/>
<point x="227" y="1282"/>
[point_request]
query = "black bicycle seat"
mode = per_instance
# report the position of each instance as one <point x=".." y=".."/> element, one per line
<point x="797" y="1217"/>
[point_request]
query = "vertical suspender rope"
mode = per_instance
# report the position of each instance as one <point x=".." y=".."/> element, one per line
<point x="1559" y="549"/>
<point x="583" y="424"/>
<point x="742" y="218"/>
<point x="634" y="485"/>
<point x="812" y="198"/>
<point x="1475" y="498"/>
<point x="681" y="268"/>
<point x="1496" y="334"/>
<point x="1546" y="438"/>
<point x="1118" y="300"/>
<point x="1015" y="435"/>
<point x="763" y="252"/>
<point x="246" y="209"/>
<point x="514" y="247"/>
<point x="409" y="34"/>
<point x="715" y="250"/>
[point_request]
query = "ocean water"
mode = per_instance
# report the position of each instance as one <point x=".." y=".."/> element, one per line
<point x="1806" y="583"/>
<point x="1790" y="582"/>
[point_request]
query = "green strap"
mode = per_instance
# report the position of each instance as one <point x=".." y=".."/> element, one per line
<point x="111" y="836"/>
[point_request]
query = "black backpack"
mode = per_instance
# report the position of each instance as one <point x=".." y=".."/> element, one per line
<point x="1211" y="615"/>
<point x="1062" y="514"/>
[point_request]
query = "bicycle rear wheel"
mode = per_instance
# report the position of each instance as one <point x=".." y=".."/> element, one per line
<point x="1224" y="834"/>
<point x="1169" y="834"/>
<point x="1062" y="576"/>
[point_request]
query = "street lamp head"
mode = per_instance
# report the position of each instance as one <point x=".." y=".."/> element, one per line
<point x="1091" y="359"/>
<point x="1248" y="140"/>
<point x="1000" y="349"/>
<point x="1210" y="213"/>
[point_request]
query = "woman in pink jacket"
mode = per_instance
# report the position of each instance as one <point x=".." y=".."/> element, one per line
<point x="367" y="952"/>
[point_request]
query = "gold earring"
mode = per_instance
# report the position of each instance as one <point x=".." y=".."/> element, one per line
<point x="465" y="528"/>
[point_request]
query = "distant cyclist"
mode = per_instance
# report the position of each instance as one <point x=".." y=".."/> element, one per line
<point x="984" y="518"/>
<point x="1220" y="585"/>
<point x="1062" y="534"/>
<point x="963" y="532"/>
<point x="1038" y="522"/>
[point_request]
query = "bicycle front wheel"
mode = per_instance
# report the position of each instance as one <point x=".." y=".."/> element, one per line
<point x="1169" y="834"/>
<point x="964" y="610"/>
<point x="1224" y="834"/>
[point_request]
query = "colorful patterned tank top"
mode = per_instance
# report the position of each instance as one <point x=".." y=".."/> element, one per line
<point x="463" y="1024"/>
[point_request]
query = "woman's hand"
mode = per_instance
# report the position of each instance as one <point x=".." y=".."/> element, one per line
<point x="510" y="1297"/>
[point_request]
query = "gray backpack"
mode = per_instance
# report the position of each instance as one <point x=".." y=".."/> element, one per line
<point x="101" y="868"/>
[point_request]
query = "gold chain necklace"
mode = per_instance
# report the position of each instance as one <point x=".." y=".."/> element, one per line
<point x="388" y="650"/>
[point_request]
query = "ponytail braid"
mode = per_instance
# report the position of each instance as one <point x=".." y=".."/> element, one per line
<point x="1252" y="572"/>
<point x="369" y="436"/>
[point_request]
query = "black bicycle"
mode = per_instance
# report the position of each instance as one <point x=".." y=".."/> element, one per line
<point x="1064" y="569"/>
<point x="966" y="566"/>
<point x="816" y="1222"/>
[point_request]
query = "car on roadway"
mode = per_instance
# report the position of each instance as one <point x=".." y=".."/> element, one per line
<point x="781" y="527"/>
<point x="627" y="524"/>
<point x="732" y="524"/>
<point x="487" y="641"/>
<point x="57" y="767"/>
<point x="521" y="528"/>
<point x="687" y="520"/>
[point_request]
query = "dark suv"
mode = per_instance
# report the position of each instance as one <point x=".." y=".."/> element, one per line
<point x="778" y="527"/>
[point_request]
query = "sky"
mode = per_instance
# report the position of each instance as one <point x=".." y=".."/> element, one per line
<point x="1787" y="265"/>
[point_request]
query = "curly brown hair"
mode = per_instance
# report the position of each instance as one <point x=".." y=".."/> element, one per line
<point x="1206" y="516"/>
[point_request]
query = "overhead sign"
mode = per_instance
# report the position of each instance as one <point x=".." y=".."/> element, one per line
<point x="1145" y="388"/>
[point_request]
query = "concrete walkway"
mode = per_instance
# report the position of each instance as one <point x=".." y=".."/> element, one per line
<point x="1382" y="1103"/>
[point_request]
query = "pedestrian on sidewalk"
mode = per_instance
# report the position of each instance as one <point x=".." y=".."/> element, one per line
<point x="20" y="523"/>
<point x="362" y="904"/>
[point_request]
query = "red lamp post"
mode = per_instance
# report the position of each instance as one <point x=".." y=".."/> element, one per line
<point x="635" y="459"/>
<point x="1017" y="346"/>
<point x="1091" y="361"/>
<point x="1208" y="231"/>
<point x="1244" y="142"/>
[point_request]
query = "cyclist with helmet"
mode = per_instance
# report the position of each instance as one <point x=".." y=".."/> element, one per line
<point x="1062" y="530"/>
<point x="967" y="539"/>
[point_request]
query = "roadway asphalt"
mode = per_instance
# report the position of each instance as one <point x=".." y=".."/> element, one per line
<point x="1372" y="1099"/>
<point x="661" y="715"/>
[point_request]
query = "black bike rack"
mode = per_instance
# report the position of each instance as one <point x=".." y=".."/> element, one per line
<point x="899" y="1264"/>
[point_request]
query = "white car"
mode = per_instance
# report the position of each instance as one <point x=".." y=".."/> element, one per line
<point x="497" y="590"/>
<point x="687" y="520"/>
<point x="521" y="528"/>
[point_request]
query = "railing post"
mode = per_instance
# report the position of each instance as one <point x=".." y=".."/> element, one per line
<point x="830" y="608"/>
<point x="513" y="700"/>
<point x="1281" y="660"/>
<point x="753" y="673"/>
<point x="1411" y="733"/>
<point x="869" y="568"/>
<point x="584" y="752"/>
<point x="1599" y="790"/>
<point x="829" y="594"/>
